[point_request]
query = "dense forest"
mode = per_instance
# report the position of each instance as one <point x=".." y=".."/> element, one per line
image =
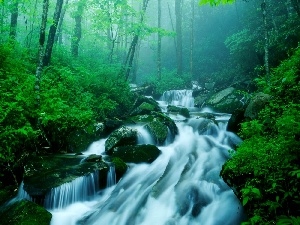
<point x="67" y="65"/>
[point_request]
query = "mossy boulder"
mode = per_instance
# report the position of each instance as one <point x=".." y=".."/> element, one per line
<point x="79" y="140"/>
<point x="25" y="213"/>
<point x="136" y="153"/>
<point x="122" y="136"/>
<point x="145" y="108"/>
<point x="257" y="103"/>
<point x="43" y="173"/>
<point x="158" y="130"/>
<point x="204" y="126"/>
<point x="180" y="110"/>
<point x="226" y="100"/>
<point x="120" y="167"/>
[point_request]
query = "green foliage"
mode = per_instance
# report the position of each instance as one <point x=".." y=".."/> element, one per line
<point x="265" y="168"/>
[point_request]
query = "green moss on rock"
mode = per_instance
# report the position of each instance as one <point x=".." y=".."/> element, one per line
<point x="25" y="213"/>
<point x="120" y="167"/>
<point x="137" y="153"/>
<point x="158" y="130"/>
<point x="180" y="110"/>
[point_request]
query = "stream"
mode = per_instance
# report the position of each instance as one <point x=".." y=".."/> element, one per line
<point x="181" y="187"/>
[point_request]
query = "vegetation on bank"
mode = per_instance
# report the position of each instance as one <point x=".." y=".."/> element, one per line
<point x="265" y="169"/>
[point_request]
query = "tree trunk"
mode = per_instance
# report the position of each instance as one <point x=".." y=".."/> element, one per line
<point x="266" y="46"/>
<point x="41" y="51"/>
<point x="178" y="13"/>
<point x="14" y="19"/>
<point x="159" y="41"/>
<point x="131" y="52"/>
<point x="58" y="36"/>
<point x="77" y="30"/>
<point x="172" y="24"/>
<point x="29" y="39"/>
<point x="192" y="38"/>
<point x="52" y="32"/>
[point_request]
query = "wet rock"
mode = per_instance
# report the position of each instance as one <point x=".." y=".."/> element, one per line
<point x="93" y="158"/>
<point x="25" y="212"/>
<point x="145" y="108"/>
<point x="120" y="167"/>
<point x="137" y="153"/>
<point x="180" y="110"/>
<point x="121" y="136"/>
<point x="43" y="173"/>
<point x="256" y="104"/>
<point x="158" y="130"/>
<point x="226" y="100"/>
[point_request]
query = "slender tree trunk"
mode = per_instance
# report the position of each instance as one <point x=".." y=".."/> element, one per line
<point x="132" y="49"/>
<point x="77" y="30"/>
<point x="192" y="37"/>
<point x="2" y="20"/>
<point x="159" y="41"/>
<point x="52" y="32"/>
<point x="41" y="51"/>
<point x="29" y="39"/>
<point x="14" y="19"/>
<point x="58" y="36"/>
<point x="266" y="46"/>
<point x="172" y="24"/>
<point x="178" y="12"/>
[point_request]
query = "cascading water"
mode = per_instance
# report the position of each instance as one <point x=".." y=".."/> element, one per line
<point x="111" y="176"/>
<point x="81" y="189"/>
<point x="178" y="98"/>
<point x="180" y="187"/>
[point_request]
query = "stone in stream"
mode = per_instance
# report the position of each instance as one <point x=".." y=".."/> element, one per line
<point x="180" y="110"/>
<point x="25" y="212"/>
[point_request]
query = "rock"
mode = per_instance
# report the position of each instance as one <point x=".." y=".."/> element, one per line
<point x="145" y="108"/>
<point x="158" y="130"/>
<point x="234" y="123"/>
<point x="112" y="124"/>
<point x="156" y="116"/>
<point x="93" y="158"/>
<point x="25" y="212"/>
<point x="226" y="100"/>
<point x="136" y="153"/>
<point x="204" y="126"/>
<point x="122" y="136"/>
<point x="43" y="173"/>
<point x="79" y="140"/>
<point x="120" y="167"/>
<point x="180" y="110"/>
<point x="256" y="104"/>
<point x="200" y="100"/>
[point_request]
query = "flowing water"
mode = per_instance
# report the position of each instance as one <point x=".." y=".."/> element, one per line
<point x="181" y="187"/>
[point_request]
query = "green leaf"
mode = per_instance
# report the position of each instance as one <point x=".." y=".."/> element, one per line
<point x="245" y="200"/>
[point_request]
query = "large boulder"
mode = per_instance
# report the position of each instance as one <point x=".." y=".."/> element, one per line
<point x="145" y="108"/>
<point x="42" y="173"/>
<point x="226" y="100"/>
<point x="25" y="212"/>
<point x="122" y="136"/>
<point x="158" y="130"/>
<point x="180" y="110"/>
<point x="156" y="116"/>
<point x="136" y="153"/>
<point x="257" y="103"/>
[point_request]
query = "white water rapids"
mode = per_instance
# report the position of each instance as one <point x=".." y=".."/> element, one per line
<point x="181" y="187"/>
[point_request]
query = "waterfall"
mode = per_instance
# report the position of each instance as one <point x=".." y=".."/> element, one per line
<point x="178" y="98"/>
<point x="81" y="189"/>
<point x="111" y="176"/>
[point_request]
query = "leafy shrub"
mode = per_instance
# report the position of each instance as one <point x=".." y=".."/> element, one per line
<point x="264" y="170"/>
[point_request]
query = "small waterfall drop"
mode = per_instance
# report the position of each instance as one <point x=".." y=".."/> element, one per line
<point x="81" y="189"/>
<point x="111" y="176"/>
<point x="179" y="98"/>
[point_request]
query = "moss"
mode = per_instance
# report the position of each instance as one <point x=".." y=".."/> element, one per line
<point x="120" y="166"/>
<point x="180" y="110"/>
<point x="137" y="154"/>
<point x="25" y="213"/>
<point x="158" y="130"/>
<point x="48" y="172"/>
